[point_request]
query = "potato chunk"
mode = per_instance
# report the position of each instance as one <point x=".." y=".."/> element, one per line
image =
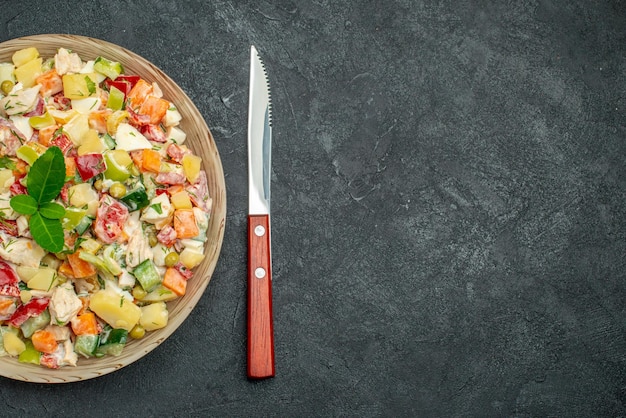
<point x="115" y="310"/>
<point x="154" y="316"/>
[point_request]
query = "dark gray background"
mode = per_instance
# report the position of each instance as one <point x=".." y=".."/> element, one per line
<point x="448" y="208"/>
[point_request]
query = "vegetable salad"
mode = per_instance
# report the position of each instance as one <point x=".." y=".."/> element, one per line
<point x="103" y="209"/>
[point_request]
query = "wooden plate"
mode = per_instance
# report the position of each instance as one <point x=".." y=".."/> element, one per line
<point x="200" y="140"/>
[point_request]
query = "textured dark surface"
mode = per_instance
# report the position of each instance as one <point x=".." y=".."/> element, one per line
<point x="449" y="221"/>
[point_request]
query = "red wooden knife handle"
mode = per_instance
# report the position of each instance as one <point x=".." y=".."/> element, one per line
<point x="260" y="323"/>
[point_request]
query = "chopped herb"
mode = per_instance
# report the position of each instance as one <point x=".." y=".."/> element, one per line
<point x="6" y="162"/>
<point x="54" y="277"/>
<point x="7" y="244"/>
<point x="19" y="138"/>
<point x="157" y="208"/>
<point x="91" y="86"/>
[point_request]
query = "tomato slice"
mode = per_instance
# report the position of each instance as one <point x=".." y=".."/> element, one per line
<point x="110" y="219"/>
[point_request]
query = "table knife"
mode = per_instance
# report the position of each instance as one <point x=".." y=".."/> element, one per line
<point x="260" y="321"/>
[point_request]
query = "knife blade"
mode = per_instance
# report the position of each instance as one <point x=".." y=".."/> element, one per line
<point x="260" y="318"/>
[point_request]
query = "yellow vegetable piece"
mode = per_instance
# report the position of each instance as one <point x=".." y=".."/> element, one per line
<point x="43" y="121"/>
<point x="28" y="72"/>
<point x="76" y="128"/>
<point x="181" y="200"/>
<point x="80" y="86"/>
<point x="191" y="167"/>
<point x="6" y="179"/>
<point x="13" y="344"/>
<point x="25" y="295"/>
<point x="27" y="154"/>
<point x="114" y="120"/>
<point x="24" y="55"/>
<point x="6" y="73"/>
<point x="115" y="310"/>
<point x="62" y="116"/>
<point x="45" y="279"/>
<point x="83" y="194"/>
<point x="154" y="316"/>
<point x="191" y="259"/>
<point x="91" y="143"/>
<point x="159" y="294"/>
<point x="26" y="273"/>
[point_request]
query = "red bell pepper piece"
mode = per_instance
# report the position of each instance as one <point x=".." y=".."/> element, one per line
<point x="130" y="79"/>
<point x="8" y="280"/>
<point x="123" y="83"/>
<point x="90" y="165"/>
<point x="33" y="307"/>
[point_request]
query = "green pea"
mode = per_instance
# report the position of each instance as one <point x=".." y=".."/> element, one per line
<point x="117" y="190"/>
<point x="171" y="259"/>
<point x="137" y="332"/>
<point x="139" y="292"/>
<point x="150" y="232"/>
<point x="6" y="86"/>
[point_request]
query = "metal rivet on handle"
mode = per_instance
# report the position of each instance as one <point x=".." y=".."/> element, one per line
<point x="259" y="272"/>
<point x="259" y="230"/>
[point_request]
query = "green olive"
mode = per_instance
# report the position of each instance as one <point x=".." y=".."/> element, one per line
<point x="117" y="190"/>
<point x="97" y="184"/>
<point x="137" y="332"/>
<point x="171" y="259"/>
<point x="6" y="86"/>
